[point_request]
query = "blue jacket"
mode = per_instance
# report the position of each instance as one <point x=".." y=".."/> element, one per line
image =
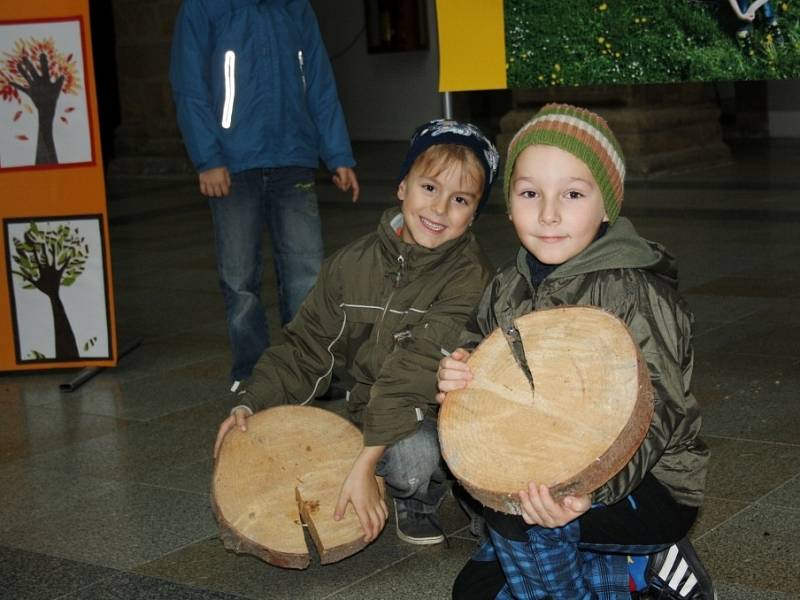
<point x="254" y="88"/>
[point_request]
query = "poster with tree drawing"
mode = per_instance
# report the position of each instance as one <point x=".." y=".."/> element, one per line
<point x="44" y="118"/>
<point x="58" y="283"/>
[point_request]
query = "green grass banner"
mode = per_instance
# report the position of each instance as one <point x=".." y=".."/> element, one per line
<point x="583" y="42"/>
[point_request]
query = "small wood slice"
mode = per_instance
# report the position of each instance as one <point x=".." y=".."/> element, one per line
<point x="590" y="411"/>
<point x="286" y="470"/>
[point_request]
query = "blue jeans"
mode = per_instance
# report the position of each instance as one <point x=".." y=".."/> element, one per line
<point x="413" y="470"/>
<point x="283" y="200"/>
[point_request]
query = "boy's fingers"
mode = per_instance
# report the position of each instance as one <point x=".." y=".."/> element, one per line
<point x="460" y="354"/>
<point x="223" y="429"/>
<point x="341" y="504"/>
<point x="385" y="510"/>
<point x="241" y="420"/>
<point x="449" y="386"/>
<point x="528" y="512"/>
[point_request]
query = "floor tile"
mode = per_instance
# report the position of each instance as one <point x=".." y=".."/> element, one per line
<point x="427" y="574"/>
<point x="34" y="576"/>
<point x="127" y="526"/>
<point x="129" y="586"/>
<point x="130" y="454"/>
<point x="30" y="431"/>
<point x="757" y="548"/>
<point x="743" y="470"/>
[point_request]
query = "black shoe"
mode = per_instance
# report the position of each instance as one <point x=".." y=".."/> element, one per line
<point x="417" y="528"/>
<point x="677" y="574"/>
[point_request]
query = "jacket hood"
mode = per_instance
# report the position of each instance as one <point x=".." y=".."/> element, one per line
<point x="620" y="248"/>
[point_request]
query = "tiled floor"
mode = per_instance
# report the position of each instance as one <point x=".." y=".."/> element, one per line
<point x="104" y="492"/>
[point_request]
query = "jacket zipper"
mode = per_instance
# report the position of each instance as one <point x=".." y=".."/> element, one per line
<point x="401" y="262"/>
<point x="302" y="70"/>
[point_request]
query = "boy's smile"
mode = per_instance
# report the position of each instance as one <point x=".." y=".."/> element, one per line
<point x="436" y="208"/>
<point x="556" y="204"/>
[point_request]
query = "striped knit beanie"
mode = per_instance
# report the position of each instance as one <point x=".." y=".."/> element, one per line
<point x="583" y="134"/>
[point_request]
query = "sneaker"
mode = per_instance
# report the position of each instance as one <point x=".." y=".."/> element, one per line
<point x="417" y="528"/>
<point x="677" y="574"/>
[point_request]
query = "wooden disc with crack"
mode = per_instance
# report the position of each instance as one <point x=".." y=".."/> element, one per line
<point x="284" y="471"/>
<point x="590" y="411"/>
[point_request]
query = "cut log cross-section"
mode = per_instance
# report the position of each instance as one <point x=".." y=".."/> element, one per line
<point x="590" y="411"/>
<point x="285" y="471"/>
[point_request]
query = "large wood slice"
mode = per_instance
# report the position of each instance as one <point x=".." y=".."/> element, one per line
<point x="590" y="411"/>
<point x="284" y="471"/>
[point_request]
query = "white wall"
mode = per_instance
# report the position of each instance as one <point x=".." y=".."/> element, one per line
<point x="784" y="108"/>
<point x="385" y="96"/>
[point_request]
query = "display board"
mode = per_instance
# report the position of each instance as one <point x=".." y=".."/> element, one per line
<point x="56" y="298"/>
<point x="496" y="44"/>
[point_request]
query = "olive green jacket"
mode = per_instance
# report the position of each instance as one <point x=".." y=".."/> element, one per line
<point x="636" y="280"/>
<point x="381" y="311"/>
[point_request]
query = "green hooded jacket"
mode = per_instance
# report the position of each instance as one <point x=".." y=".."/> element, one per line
<point x="382" y="310"/>
<point x="636" y="280"/>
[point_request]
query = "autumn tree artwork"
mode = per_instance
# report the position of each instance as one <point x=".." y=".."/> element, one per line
<point x="45" y="120"/>
<point x="38" y="73"/>
<point x="48" y="259"/>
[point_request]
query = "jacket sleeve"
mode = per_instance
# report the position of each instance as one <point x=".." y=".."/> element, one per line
<point x="299" y="369"/>
<point x="662" y="329"/>
<point x="405" y="389"/>
<point x="323" y="101"/>
<point x="189" y="75"/>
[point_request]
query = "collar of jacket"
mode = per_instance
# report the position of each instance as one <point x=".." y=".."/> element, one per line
<point x="415" y="259"/>
<point x="620" y="248"/>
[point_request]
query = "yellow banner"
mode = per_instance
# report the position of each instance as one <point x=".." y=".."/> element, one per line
<point x="472" y="51"/>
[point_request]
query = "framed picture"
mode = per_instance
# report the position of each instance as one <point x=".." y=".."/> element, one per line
<point x="45" y="121"/>
<point x="59" y="288"/>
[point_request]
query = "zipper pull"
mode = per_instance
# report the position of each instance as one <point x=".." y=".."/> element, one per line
<point x="402" y="266"/>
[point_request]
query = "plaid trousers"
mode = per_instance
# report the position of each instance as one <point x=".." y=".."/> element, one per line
<point x="553" y="564"/>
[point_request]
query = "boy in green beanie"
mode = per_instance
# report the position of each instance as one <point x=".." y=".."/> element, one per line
<point x="564" y="188"/>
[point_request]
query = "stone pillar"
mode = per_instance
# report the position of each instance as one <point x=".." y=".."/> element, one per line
<point x="660" y="127"/>
<point x="147" y="140"/>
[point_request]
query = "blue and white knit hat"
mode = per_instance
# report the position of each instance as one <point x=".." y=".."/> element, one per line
<point x="445" y="131"/>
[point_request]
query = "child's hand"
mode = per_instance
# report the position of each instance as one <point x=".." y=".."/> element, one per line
<point x="453" y="373"/>
<point x="361" y="489"/>
<point x="345" y="179"/>
<point x="237" y="419"/>
<point x="539" y="508"/>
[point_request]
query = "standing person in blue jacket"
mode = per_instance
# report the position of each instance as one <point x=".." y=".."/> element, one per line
<point x="257" y="107"/>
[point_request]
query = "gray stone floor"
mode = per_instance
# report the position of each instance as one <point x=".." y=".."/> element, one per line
<point x="104" y="492"/>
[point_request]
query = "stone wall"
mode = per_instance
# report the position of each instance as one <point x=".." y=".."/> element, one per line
<point x="148" y="140"/>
